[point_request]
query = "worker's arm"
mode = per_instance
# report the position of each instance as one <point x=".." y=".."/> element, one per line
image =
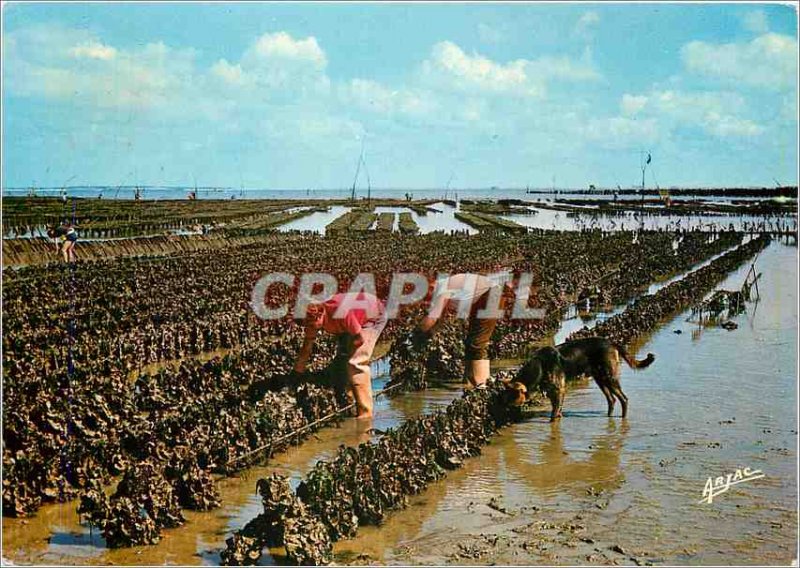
<point x="305" y="350"/>
<point x="428" y="324"/>
<point x="358" y="340"/>
<point x="353" y="327"/>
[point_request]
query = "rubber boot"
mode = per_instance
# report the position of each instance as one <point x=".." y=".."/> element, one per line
<point x="477" y="373"/>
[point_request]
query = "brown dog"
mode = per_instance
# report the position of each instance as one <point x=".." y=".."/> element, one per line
<point x="596" y="357"/>
<point x="544" y="372"/>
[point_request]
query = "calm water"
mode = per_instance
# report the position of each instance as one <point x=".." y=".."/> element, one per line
<point x="446" y="221"/>
<point x="713" y="401"/>
<point x="443" y="221"/>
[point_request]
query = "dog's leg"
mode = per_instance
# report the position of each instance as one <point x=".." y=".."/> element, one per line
<point x="562" y="392"/>
<point x="616" y="387"/>
<point x="556" y="392"/>
<point x="623" y="400"/>
<point x="555" y="397"/>
<point x="608" y="395"/>
<point x="554" y="408"/>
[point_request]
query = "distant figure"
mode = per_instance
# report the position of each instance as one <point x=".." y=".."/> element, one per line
<point x="137" y="195"/>
<point x="68" y="236"/>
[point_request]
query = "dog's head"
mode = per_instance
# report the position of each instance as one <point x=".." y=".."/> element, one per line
<point x="515" y="393"/>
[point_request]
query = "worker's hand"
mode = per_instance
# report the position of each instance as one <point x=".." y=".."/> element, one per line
<point x="420" y="338"/>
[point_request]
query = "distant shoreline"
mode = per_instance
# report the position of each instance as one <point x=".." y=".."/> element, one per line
<point x="149" y="193"/>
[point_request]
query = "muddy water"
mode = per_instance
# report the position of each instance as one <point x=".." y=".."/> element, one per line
<point x="713" y="401"/>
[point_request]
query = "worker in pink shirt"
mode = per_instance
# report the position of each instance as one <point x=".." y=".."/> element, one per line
<point x="357" y="320"/>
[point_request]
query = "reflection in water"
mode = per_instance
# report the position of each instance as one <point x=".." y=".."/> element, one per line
<point x="549" y="468"/>
<point x="315" y="222"/>
<point x="444" y="220"/>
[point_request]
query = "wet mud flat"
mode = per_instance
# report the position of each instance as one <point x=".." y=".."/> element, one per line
<point x="586" y="490"/>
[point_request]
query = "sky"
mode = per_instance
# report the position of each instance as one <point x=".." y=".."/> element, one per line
<point x="462" y="94"/>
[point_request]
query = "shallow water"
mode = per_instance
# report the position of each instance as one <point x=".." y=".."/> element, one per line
<point x="559" y="220"/>
<point x="632" y="220"/>
<point x="574" y="319"/>
<point x="713" y="401"/>
<point x="443" y="221"/>
<point x="316" y="221"/>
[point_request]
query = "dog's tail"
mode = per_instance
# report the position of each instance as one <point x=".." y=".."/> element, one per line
<point x="633" y="363"/>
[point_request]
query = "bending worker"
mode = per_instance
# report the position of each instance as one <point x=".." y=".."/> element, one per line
<point x="478" y="298"/>
<point x="69" y="236"/>
<point x="357" y="320"/>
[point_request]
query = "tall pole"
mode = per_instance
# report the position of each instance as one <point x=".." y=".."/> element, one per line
<point x="644" y="167"/>
<point x="358" y="169"/>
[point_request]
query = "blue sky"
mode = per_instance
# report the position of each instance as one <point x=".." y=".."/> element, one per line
<point x="285" y="95"/>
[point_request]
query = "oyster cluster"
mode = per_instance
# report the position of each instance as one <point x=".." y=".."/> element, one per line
<point x="649" y="311"/>
<point x="361" y="486"/>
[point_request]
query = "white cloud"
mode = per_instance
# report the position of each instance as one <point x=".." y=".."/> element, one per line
<point x="717" y="113"/>
<point x="283" y="67"/>
<point x="82" y="70"/>
<point x="723" y="125"/>
<point x="755" y="21"/>
<point x="77" y="67"/>
<point x="632" y="104"/>
<point x="93" y="50"/>
<point x="229" y="73"/>
<point x="769" y="61"/>
<point x="451" y="67"/>
<point x="476" y="71"/>
<point x="281" y="45"/>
